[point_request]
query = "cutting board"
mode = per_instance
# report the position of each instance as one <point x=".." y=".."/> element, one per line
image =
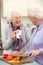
<point x="22" y="61"/>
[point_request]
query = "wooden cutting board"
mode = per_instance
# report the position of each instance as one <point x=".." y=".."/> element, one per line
<point x="22" y="61"/>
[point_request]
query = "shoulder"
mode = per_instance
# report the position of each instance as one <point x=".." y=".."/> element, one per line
<point x="23" y="25"/>
<point x="39" y="33"/>
<point x="7" y="27"/>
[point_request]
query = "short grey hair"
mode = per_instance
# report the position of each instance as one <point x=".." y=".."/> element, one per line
<point x="36" y="11"/>
<point x="10" y="13"/>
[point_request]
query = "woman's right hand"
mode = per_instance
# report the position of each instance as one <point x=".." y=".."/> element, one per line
<point x="13" y="34"/>
<point x="34" y="53"/>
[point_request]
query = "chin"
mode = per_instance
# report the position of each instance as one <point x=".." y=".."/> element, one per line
<point x="18" y="24"/>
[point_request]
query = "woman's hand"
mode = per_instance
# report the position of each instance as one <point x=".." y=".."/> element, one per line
<point x="13" y="34"/>
<point x="17" y="52"/>
<point x="34" y="53"/>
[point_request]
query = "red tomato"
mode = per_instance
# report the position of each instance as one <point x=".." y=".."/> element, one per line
<point x="5" y="55"/>
<point x="14" y="56"/>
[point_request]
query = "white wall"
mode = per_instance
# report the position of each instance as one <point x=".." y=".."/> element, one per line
<point x="21" y="5"/>
<point x="35" y="2"/>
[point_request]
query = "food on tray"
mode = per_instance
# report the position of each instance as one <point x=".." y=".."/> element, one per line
<point x="16" y="57"/>
<point x="13" y="61"/>
<point x="5" y="55"/>
<point x="10" y="57"/>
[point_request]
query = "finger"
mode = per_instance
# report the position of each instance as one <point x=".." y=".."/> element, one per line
<point x="33" y="55"/>
<point x="29" y="53"/>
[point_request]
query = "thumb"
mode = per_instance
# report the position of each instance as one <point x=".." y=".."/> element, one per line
<point x="29" y="53"/>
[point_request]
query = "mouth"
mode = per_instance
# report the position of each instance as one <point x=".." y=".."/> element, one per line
<point x="17" y="22"/>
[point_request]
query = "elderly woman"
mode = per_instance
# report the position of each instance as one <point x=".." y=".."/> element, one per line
<point x="35" y="15"/>
<point x="10" y="38"/>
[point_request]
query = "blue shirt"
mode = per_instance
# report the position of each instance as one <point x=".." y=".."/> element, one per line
<point x="36" y="42"/>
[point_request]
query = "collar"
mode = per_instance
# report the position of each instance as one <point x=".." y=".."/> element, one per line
<point x="40" y="26"/>
<point x="13" y="27"/>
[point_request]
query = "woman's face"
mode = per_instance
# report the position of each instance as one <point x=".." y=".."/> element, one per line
<point x="16" y="19"/>
<point x="33" y="19"/>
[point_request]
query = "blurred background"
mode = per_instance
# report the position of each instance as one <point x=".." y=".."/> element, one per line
<point x="22" y="6"/>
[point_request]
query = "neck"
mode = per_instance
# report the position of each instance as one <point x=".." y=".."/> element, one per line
<point x="15" y="26"/>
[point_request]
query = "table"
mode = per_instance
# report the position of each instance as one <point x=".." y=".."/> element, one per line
<point x="4" y="63"/>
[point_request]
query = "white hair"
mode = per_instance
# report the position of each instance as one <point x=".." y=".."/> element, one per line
<point x="36" y="11"/>
<point x="10" y="13"/>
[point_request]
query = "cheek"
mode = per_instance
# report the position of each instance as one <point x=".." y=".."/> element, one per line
<point x="19" y="20"/>
<point x="35" y="22"/>
<point x="13" y="20"/>
<point x="32" y="20"/>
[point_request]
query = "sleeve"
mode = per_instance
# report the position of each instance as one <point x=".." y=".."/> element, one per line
<point x="41" y="51"/>
<point x="41" y="40"/>
<point x="6" y="40"/>
<point x="27" y="36"/>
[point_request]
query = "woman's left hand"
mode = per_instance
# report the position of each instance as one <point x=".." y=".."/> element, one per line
<point x="34" y="53"/>
<point x="17" y="52"/>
